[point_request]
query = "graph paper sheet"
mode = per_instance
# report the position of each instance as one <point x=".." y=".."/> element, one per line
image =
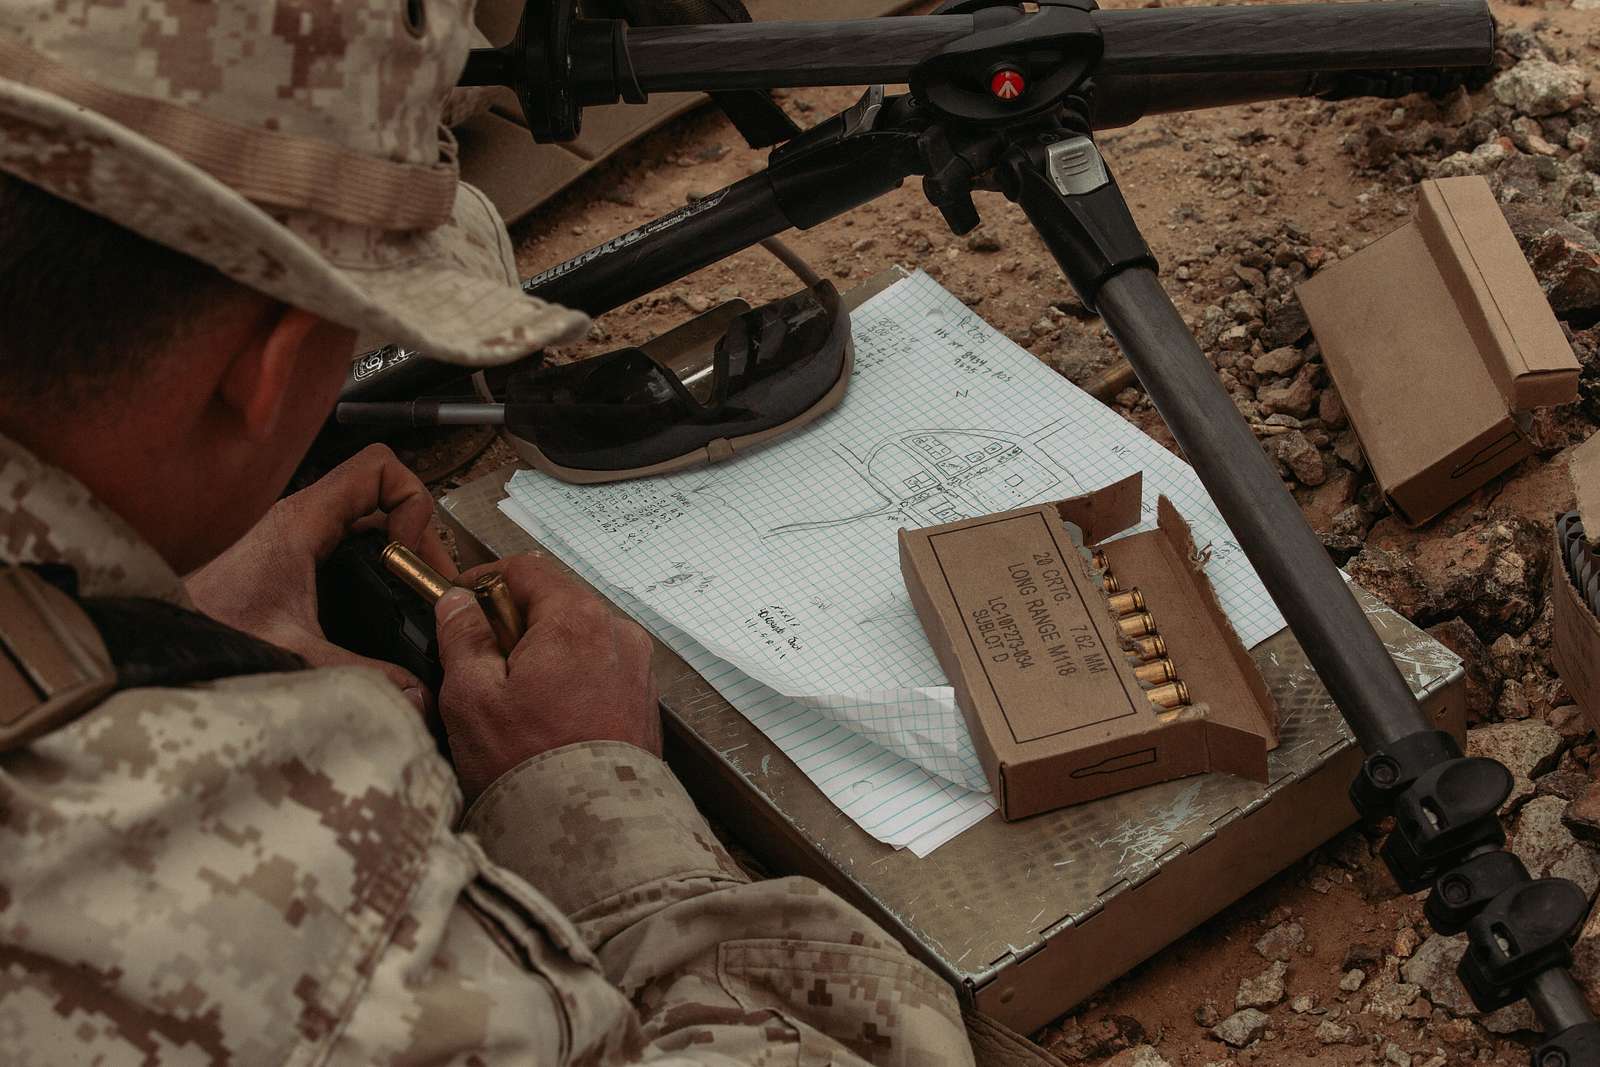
<point x="888" y="796"/>
<point x="784" y="564"/>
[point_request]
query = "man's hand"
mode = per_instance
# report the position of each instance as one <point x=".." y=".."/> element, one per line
<point x="580" y="673"/>
<point x="266" y="585"/>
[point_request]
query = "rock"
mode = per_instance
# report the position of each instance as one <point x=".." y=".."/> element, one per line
<point x="1138" y="1056"/>
<point x="1492" y="574"/>
<point x="1330" y="499"/>
<point x="1331" y="1033"/>
<point x="1285" y="324"/>
<point x="1330" y="409"/>
<point x="1264" y="990"/>
<point x="1353" y="980"/>
<point x="1280" y="942"/>
<point x="1391" y="1000"/>
<point x="1547" y="847"/>
<point x="1348" y="448"/>
<point x="1566" y="260"/>
<point x="1481" y="160"/>
<point x="1352" y="522"/>
<point x="1393" y="579"/>
<point x="1241" y="1028"/>
<point x="866" y="244"/>
<point x="1483" y="685"/>
<point x="1303" y="1003"/>
<point x="1280" y="362"/>
<point x="1294" y="396"/>
<point x="1394" y="1054"/>
<point x="1527" y="749"/>
<point x="1432" y="968"/>
<point x="1250" y="276"/>
<point x="984" y="240"/>
<point x="1582" y="816"/>
<point x="1207" y="1015"/>
<point x="1539" y="87"/>
<point x="1406" y="940"/>
<point x="1297" y="453"/>
<point x="1568" y="783"/>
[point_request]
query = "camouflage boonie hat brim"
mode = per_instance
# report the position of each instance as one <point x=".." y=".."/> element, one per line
<point x="447" y="288"/>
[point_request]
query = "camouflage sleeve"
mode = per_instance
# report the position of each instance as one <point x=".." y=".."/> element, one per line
<point x="719" y="969"/>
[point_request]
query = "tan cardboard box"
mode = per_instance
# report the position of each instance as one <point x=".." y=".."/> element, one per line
<point x="1032" y="650"/>
<point x="1437" y="337"/>
<point x="1575" y="646"/>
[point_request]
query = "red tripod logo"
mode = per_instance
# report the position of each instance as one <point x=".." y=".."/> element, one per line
<point x="1007" y="84"/>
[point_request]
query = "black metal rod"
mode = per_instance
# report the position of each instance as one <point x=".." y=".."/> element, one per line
<point x="1558" y="1001"/>
<point x="774" y="54"/>
<point x="1250" y="39"/>
<point x="1301" y="37"/>
<point x="1121" y="100"/>
<point x="1319" y="608"/>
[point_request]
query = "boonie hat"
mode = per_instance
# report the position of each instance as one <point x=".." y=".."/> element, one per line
<point x="294" y="145"/>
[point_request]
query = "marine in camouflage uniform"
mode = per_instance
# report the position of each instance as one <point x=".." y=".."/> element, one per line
<point x="275" y="868"/>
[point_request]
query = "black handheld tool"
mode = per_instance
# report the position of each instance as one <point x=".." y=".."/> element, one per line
<point x="365" y="608"/>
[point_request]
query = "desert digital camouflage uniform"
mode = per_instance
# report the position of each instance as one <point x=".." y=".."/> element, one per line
<point x="269" y="870"/>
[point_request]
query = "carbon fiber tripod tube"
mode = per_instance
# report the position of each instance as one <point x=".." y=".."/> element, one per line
<point x="1307" y="587"/>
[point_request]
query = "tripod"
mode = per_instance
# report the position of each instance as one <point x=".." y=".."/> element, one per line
<point x="1007" y="98"/>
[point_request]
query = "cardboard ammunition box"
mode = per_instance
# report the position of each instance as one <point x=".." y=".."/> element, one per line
<point x="1438" y="338"/>
<point x="1575" y="646"/>
<point x="1033" y="651"/>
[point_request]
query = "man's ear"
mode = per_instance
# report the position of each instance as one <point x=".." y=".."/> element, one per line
<point x="260" y="379"/>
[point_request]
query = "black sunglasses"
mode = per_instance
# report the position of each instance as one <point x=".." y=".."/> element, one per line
<point x="627" y="413"/>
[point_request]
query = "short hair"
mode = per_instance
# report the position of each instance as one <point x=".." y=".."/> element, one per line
<point x="84" y="303"/>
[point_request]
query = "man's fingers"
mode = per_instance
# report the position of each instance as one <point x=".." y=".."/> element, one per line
<point x="432" y="550"/>
<point x="374" y="479"/>
<point x="466" y="644"/>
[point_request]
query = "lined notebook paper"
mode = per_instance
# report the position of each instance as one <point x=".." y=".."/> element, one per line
<point x="780" y="570"/>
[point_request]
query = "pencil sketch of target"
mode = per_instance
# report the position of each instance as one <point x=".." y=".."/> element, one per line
<point x="933" y="476"/>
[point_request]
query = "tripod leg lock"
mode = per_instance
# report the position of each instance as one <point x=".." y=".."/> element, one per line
<point x="1575" y="1046"/>
<point x="1450" y="812"/>
<point x="1527" y="929"/>
<point x="1466" y="889"/>
<point x="1073" y="201"/>
<point x="1393" y="769"/>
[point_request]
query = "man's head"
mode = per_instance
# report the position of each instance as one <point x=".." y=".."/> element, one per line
<point x="130" y="363"/>
<point x="207" y="200"/>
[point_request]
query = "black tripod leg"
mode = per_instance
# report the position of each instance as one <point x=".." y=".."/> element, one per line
<point x="1447" y="832"/>
<point x="1092" y="235"/>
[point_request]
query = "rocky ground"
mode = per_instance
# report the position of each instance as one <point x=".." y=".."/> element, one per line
<point x="1240" y="204"/>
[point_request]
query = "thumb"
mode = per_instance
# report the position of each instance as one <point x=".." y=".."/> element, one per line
<point x="466" y="644"/>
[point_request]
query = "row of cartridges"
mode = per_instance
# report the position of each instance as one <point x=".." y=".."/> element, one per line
<point x="1142" y="642"/>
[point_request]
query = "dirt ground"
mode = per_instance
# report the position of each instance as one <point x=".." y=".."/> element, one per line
<point x="1214" y="192"/>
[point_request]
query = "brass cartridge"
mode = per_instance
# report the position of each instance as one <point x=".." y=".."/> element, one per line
<point x="1110" y="583"/>
<point x="409" y="568"/>
<point x="494" y="597"/>
<point x="1156" y="673"/>
<point x="1172" y="695"/>
<point x="1149" y="648"/>
<point x="1126" y="603"/>
<point x="1100" y="561"/>
<point x="1137" y="625"/>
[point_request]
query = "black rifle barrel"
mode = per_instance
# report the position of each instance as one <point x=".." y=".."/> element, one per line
<point x="1250" y="39"/>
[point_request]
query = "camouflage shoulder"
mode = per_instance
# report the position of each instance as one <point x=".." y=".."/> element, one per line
<point x="212" y="871"/>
